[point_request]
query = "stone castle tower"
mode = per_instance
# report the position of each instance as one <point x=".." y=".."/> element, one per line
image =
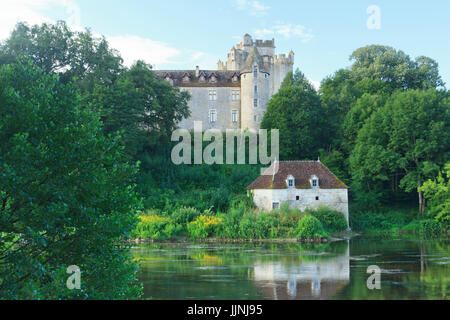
<point x="234" y="96"/>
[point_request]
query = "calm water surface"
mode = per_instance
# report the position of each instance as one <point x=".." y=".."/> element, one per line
<point x="411" y="269"/>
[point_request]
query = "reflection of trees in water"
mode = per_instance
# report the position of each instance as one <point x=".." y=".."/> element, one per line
<point x="412" y="269"/>
<point x="295" y="270"/>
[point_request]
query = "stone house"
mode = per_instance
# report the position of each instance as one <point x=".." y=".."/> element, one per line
<point x="301" y="184"/>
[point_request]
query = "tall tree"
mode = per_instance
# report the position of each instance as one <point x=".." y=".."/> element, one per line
<point x="56" y="49"/>
<point x="411" y="133"/>
<point x="66" y="195"/>
<point x="295" y="110"/>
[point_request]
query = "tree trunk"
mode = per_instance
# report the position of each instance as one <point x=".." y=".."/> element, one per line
<point x="421" y="200"/>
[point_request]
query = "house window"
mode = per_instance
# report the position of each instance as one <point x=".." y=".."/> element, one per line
<point x="212" y="95"/>
<point x="290" y="181"/>
<point x="234" y="115"/>
<point x="297" y="198"/>
<point x="255" y="71"/>
<point x="212" y="115"/>
<point x="275" y="205"/>
<point x="255" y="103"/>
<point x="235" y="95"/>
<point x="314" y="182"/>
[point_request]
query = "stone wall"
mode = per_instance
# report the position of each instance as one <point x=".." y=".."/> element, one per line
<point x="336" y="199"/>
<point x="200" y="105"/>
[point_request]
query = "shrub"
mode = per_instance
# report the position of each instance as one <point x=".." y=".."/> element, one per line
<point x="184" y="215"/>
<point x="203" y="226"/>
<point x="430" y="227"/>
<point x="310" y="227"/>
<point x="231" y="221"/>
<point x="249" y="228"/>
<point x="156" y="227"/>
<point x="332" y="220"/>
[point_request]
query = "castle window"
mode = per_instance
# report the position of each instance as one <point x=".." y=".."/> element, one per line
<point x="235" y="78"/>
<point x="256" y="89"/>
<point x="290" y="181"/>
<point x="234" y="116"/>
<point x="255" y="71"/>
<point x="212" y="115"/>
<point x="255" y="118"/>
<point x="235" y="95"/>
<point x="297" y="198"/>
<point x="317" y="198"/>
<point x="275" y="205"/>
<point x="255" y="103"/>
<point x="213" y="78"/>
<point x="212" y="95"/>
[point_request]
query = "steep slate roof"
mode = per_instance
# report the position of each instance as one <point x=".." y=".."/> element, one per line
<point x="253" y="57"/>
<point x="224" y="78"/>
<point x="302" y="171"/>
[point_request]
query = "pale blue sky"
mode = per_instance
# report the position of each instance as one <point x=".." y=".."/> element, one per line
<point x="181" y="34"/>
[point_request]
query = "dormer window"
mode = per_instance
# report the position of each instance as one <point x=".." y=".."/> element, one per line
<point x="186" y="78"/>
<point x="213" y="78"/>
<point x="168" y="78"/>
<point x="314" y="182"/>
<point x="255" y="71"/>
<point x="202" y="77"/>
<point x="290" y="181"/>
<point x="235" y="78"/>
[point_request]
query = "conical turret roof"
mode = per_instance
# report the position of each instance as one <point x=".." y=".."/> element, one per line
<point x="254" y="57"/>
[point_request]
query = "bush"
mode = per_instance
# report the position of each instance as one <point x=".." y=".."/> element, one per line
<point x="231" y="221"/>
<point x="203" y="226"/>
<point x="310" y="227"/>
<point x="332" y="220"/>
<point x="430" y="227"/>
<point x="184" y="215"/>
<point x="156" y="227"/>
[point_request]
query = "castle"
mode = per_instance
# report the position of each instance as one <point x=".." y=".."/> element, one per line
<point x="234" y="96"/>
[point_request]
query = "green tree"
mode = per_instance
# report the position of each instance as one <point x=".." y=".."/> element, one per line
<point x="66" y="195"/>
<point x="437" y="191"/>
<point x="410" y="135"/>
<point x="57" y="49"/>
<point x="295" y="110"/>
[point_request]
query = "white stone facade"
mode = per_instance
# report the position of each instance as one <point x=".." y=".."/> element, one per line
<point x="336" y="199"/>
<point x="300" y="184"/>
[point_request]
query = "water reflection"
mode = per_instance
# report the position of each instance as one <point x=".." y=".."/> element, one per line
<point x="318" y="277"/>
<point x="411" y="269"/>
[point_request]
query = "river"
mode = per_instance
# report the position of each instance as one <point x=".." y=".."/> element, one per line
<point x="410" y="269"/>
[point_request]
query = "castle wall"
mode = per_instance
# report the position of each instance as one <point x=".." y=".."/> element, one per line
<point x="200" y="105"/>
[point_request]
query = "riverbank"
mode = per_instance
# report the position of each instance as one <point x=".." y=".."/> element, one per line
<point x="333" y="238"/>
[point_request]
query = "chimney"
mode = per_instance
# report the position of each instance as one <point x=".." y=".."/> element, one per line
<point x="197" y="71"/>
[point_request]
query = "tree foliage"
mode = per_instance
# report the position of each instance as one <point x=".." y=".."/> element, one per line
<point x="67" y="196"/>
<point x="295" y="110"/>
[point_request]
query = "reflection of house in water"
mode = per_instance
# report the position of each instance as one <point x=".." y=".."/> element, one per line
<point x="320" y="278"/>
